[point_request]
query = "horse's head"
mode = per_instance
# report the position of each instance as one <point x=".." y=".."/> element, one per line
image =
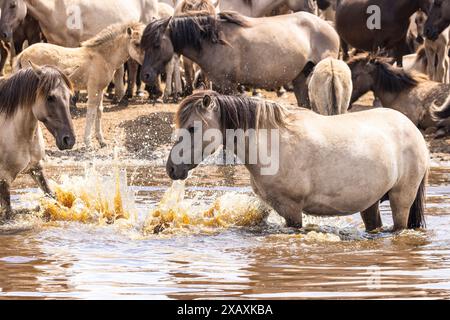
<point x="158" y="49"/>
<point x="302" y="5"/>
<point x="52" y="104"/>
<point x="12" y="14"/>
<point x="134" y="45"/>
<point x="420" y="19"/>
<point x="438" y="19"/>
<point x="197" y="117"/>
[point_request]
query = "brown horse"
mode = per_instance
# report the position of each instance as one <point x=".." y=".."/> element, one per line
<point x="438" y="19"/>
<point x="411" y="94"/>
<point x="234" y="50"/>
<point x="30" y="96"/>
<point x="352" y="17"/>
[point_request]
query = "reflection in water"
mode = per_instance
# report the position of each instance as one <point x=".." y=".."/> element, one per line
<point x="331" y="258"/>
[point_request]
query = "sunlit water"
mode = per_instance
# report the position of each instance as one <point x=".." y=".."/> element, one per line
<point x="128" y="233"/>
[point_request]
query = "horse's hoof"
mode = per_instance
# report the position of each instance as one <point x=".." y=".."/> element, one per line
<point x="140" y="94"/>
<point x="102" y="144"/>
<point x="124" y="102"/>
<point x="166" y="99"/>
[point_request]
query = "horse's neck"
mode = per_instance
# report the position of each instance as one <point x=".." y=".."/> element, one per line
<point x="114" y="52"/>
<point x="23" y="126"/>
<point x="387" y="98"/>
<point x="264" y="7"/>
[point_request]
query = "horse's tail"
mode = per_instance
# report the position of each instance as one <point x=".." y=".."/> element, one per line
<point x="334" y="100"/>
<point x="441" y="113"/>
<point x="417" y="212"/>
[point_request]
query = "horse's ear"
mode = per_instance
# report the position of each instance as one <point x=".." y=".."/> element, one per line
<point x="165" y="24"/>
<point x="207" y="101"/>
<point x="37" y="70"/>
<point x="217" y="5"/>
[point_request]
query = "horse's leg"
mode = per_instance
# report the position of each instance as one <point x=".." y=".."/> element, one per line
<point x="177" y="75"/>
<point x="169" y="81"/>
<point x="94" y="97"/>
<point x="440" y="70"/>
<point x="344" y="48"/>
<point x="189" y="74"/>
<point x="289" y="210"/>
<point x="401" y="200"/>
<point x="301" y="86"/>
<point x="132" y="74"/>
<point x="119" y="84"/>
<point x="372" y="217"/>
<point x="5" y="200"/>
<point x="3" y="57"/>
<point x="36" y="172"/>
<point x="401" y="50"/>
<point x="98" y="123"/>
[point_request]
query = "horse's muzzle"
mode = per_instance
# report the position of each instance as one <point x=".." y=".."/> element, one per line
<point x="65" y="142"/>
<point x="431" y="33"/>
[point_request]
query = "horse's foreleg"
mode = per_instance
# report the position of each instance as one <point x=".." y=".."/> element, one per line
<point x="189" y="74"/>
<point x="37" y="173"/>
<point x="98" y="124"/>
<point x="290" y="211"/>
<point x="5" y="200"/>
<point x="372" y="217"/>
<point x="132" y="76"/>
<point x="119" y="84"/>
<point x="93" y="102"/>
<point x="177" y="75"/>
<point x="169" y="80"/>
<point x="3" y="57"/>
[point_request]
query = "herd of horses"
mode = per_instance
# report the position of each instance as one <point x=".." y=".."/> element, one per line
<point x="345" y="162"/>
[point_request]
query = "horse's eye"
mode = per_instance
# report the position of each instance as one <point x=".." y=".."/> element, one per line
<point x="13" y="5"/>
<point x="51" y="98"/>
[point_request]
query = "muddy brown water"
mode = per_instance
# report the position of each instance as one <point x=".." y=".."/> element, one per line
<point x="334" y="258"/>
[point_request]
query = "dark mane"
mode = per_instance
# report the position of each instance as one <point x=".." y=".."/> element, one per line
<point x="23" y="88"/>
<point x="191" y="30"/>
<point x="235" y="112"/>
<point x="386" y="77"/>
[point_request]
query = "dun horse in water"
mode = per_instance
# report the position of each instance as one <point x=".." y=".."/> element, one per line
<point x="233" y="50"/>
<point x="95" y="63"/>
<point x="412" y="94"/>
<point x="29" y="96"/>
<point x="382" y="147"/>
<point x="352" y="19"/>
<point x="330" y="87"/>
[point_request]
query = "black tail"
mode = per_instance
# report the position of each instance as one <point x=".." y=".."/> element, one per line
<point x="442" y="113"/>
<point x="417" y="213"/>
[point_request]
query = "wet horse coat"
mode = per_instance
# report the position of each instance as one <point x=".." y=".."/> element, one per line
<point x="374" y="154"/>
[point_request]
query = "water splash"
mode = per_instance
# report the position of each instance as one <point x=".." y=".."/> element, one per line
<point x="175" y="214"/>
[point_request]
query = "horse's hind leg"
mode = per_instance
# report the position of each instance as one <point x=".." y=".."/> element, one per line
<point x="94" y="98"/>
<point x="401" y="200"/>
<point x="37" y="173"/>
<point x="119" y="84"/>
<point x="170" y="68"/>
<point x="5" y="201"/>
<point x="372" y="217"/>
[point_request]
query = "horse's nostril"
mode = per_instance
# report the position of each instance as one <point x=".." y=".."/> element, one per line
<point x="67" y="141"/>
<point x="5" y="35"/>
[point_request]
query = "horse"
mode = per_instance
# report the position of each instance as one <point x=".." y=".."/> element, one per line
<point x="68" y="23"/>
<point x="95" y="61"/>
<point x="330" y="87"/>
<point x="412" y="94"/>
<point x="28" y="31"/>
<point x="438" y="19"/>
<point x="261" y="8"/>
<point x="234" y="50"/>
<point x="382" y="147"/>
<point x="185" y="7"/>
<point x="436" y="51"/>
<point x="352" y="19"/>
<point x="32" y="95"/>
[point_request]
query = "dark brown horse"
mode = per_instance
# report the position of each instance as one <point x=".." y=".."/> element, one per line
<point x="438" y="19"/>
<point x="352" y="17"/>
<point x="28" y="30"/>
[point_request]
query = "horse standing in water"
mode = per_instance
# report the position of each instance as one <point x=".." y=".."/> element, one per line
<point x="234" y="50"/>
<point x="30" y="96"/>
<point x="376" y="154"/>
<point x="352" y="24"/>
<point x="95" y="63"/>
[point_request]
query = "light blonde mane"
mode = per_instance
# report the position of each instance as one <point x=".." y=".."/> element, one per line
<point x="109" y="34"/>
